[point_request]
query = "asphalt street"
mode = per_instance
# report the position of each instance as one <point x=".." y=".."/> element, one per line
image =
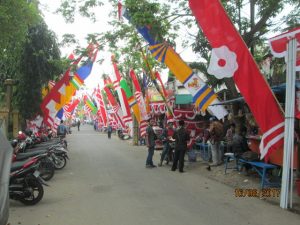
<point x="106" y="183"/>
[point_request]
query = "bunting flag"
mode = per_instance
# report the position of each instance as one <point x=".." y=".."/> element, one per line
<point x="116" y="109"/>
<point x="231" y="58"/>
<point x="131" y="100"/>
<point x="127" y="119"/>
<point x="141" y="103"/>
<point x="203" y="95"/>
<point x="278" y="45"/>
<point x="102" y="110"/>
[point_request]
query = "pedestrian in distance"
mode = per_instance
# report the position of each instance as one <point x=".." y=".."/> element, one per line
<point x="181" y="137"/>
<point x="78" y="125"/>
<point x="150" y="140"/>
<point x="109" y="131"/>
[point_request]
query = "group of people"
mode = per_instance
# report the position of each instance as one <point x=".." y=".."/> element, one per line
<point x="213" y="134"/>
<point x="179" y="136"/>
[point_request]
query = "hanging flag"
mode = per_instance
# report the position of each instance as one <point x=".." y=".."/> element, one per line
<point x="70" y="107"/>
<point x="131" y="100"/>
<point x="89" y="103"/>
<point x="231" y="58"/>
<point x="278" y="45"/>
<point x="48" y="105"/>
<point x="121" y="94"/>
<point x="141" y="103"/>
<point x="116" y="109"/>
<point x="63" y="90"/>
<point x="102" y="109"/>
<point x="203" y="95"/>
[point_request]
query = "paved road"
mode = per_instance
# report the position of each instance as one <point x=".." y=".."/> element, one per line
<point x="106" y="183"/>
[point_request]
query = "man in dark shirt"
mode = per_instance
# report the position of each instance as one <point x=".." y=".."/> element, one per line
<point x="181" y="137"/>
<point x="151" y="137"/>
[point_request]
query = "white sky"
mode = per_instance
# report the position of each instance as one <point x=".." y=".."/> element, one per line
<point x="81" y="28"/>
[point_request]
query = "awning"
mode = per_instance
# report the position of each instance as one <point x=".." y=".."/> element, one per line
<point x="183" y="99"/>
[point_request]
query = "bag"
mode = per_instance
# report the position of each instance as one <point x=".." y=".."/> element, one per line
<point x="250" y="156"/>
<point x="61" y="130"/>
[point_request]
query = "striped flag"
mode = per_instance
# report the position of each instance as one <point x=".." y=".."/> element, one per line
<point x="203" y="95"/>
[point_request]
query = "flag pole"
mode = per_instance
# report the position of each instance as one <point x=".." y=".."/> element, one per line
<point x="152" y="76"/>
<point x="287" y="174"/>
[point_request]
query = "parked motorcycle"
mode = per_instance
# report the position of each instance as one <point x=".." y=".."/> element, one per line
<point x="25" y="184"/>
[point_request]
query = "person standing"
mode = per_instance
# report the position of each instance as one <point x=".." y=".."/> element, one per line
<point x="216" y="136"/>
<point x="229" y="137"/>
<point x="167" y="136"/>
<point x="151" y="137"/>
<point x="181" y="137"/>
<point x="78" y="125"/>
<point x="61" y="130"/>
<point x="109" y="131"/>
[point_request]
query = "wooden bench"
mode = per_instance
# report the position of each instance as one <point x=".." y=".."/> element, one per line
<point x="261" y="168"/>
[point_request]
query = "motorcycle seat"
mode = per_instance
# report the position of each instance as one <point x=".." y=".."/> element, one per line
<point x="26" y="155"/>
<point x="18" y="165"/>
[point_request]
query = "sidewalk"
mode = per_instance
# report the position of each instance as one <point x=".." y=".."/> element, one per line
<point x="233" y="178"/>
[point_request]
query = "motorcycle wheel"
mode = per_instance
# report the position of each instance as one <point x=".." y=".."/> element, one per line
<point x="35" y="190"/>
<point x="60" y="162"/>
<point x="46" y="169"/>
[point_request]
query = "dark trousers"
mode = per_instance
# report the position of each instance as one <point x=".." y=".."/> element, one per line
<point x="179" y="156"/>
<point x="109" y="134"/>
<point x="150" y="155"/>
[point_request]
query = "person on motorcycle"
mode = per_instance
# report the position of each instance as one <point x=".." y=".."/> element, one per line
<point x="167" y="139"/>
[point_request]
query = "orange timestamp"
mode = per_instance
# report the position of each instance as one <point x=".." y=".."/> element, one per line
<point x="258" y="193"/>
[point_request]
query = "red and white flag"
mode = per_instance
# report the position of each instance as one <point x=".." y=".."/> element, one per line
<point x="231" y="58"/>
<point x="278" y="45"/>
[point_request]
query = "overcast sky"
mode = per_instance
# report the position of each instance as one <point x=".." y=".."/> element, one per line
<point x="82" y="27"/>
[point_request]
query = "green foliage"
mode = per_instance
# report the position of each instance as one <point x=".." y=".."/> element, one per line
<point x="15" y="18"/>
<point x="40" y="63"/>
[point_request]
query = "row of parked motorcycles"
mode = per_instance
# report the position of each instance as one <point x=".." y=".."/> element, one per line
<point x="34" y="162"/>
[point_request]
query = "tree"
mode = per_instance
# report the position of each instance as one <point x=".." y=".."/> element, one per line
<point x="15" y="17"/>
<point x="40" y="63"/>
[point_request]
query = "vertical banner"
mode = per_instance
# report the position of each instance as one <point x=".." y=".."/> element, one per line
<point x="231" y="58"/>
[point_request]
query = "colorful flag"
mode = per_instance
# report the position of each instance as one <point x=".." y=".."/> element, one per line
<point x="203" y="95"/>
<point x="127" y="119"/>
<point x="116" y="109"/>
<point x="141" y="103"/>
<point x="131" y="100"/>
<point x="231" y="58"/>
<point x="89" y="103"/>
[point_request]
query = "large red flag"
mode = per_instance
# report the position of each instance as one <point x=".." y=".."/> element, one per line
<point x="231" y="58"/>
